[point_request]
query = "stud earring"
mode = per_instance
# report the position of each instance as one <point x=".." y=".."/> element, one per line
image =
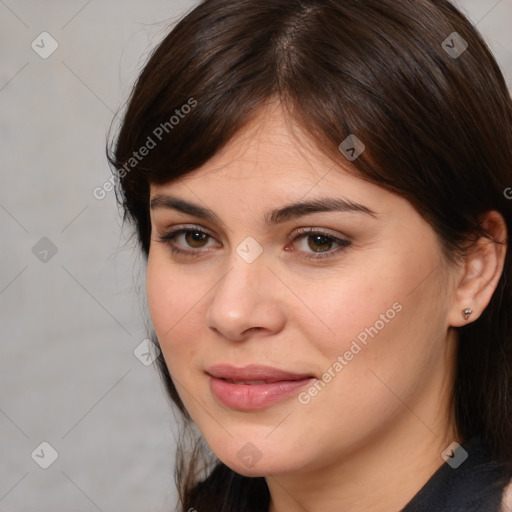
<point x="467" y="313"/>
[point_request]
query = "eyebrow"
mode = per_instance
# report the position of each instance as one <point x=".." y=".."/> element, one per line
<point x="273" y="217"/>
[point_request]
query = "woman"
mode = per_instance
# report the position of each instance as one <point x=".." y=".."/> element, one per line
<point x="320" y="189"/>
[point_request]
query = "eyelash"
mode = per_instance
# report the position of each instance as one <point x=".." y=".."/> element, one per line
<point x="168" y="239"/>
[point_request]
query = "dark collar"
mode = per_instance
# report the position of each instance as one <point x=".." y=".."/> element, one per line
<point x="476" y="485"/>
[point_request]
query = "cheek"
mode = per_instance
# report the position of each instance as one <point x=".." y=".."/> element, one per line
<point x="174" y="301"/>
<point x="161" y="297"/>
<point x="372" y="344"/>
<point x="347" y="309"/>
<point x="378" y="320"/>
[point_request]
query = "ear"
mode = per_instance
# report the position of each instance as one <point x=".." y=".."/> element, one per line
<point x="480" y="271"/>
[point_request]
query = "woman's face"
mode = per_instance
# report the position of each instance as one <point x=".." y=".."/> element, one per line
<point x="289" y="262"/>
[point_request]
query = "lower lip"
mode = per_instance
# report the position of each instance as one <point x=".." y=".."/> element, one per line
<point x="255" y="396"/>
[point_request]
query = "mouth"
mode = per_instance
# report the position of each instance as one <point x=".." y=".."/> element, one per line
<point x="253" y="373"/>
<point x="248" y="382"/>
<point x="254" y="387"/>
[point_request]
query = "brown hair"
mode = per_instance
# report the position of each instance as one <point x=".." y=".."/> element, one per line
<point x="437" y="129"/>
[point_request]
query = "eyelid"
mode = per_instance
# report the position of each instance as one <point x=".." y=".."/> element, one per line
<point x="313" y="230"/>
<point x="342" y="243"/>
<point x="168" y="237"/>
<point x="186" y="227"/>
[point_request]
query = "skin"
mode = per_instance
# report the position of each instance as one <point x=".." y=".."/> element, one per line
<point x="371" y="438"/>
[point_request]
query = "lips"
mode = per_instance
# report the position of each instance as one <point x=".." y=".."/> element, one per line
<point x="254" y="374"/>
<point x="254" y="386"/>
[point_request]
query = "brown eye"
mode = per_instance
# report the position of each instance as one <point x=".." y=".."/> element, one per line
<point x="315" y="244"/>
<point x="189" y="241"/>
<point x="320" y="243"/>
<point x="196" y="239"/>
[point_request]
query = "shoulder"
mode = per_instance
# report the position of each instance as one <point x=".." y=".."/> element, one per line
<point x="506" y="500"/>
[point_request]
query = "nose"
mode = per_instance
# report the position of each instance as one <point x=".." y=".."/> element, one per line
<point x="245" y="301"/>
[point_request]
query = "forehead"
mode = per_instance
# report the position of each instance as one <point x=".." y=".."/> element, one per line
<point x="271" y="155"/>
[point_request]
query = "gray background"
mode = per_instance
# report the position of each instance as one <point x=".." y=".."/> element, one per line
<point x="70" y="323"/>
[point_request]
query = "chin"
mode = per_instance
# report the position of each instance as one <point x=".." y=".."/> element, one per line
<point x="252" y="462"/>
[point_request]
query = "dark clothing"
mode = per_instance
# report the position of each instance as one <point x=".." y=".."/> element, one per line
<point x="476" y="485"/>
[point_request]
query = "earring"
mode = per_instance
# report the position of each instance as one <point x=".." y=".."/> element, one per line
<point x="467" y="313"/>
